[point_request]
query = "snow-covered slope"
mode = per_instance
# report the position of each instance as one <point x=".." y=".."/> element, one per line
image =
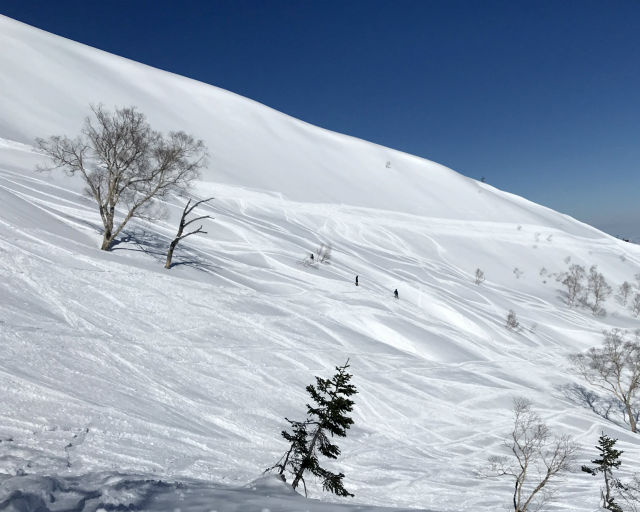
<point x="111" y="363"/>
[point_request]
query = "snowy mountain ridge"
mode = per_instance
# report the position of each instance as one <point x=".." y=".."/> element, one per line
<point x="112" y="365"/>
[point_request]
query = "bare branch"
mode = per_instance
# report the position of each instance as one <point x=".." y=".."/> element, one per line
<point x="196" y="204"/>
<point x="196" y="219"/>
<point x="199" y="230"/>
<point x="184" y="223"/>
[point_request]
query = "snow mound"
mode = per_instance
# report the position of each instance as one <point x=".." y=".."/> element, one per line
<point x="102" y="492"/>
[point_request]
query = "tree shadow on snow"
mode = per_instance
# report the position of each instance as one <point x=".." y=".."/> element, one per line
<point x="155" y="245"/>
<point x="604" y="406"/>
<point x="142" y="240"/>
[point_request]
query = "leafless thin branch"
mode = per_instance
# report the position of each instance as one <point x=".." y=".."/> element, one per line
<point x="180" y="235"/>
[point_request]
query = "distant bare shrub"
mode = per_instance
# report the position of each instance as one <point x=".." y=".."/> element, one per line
<point x="518" y="273"/>
<point x="635" y="305"/>
<point x="624" y="291"/>
<point x="323" y="253"/>
<point x="479" y="277"/>
<point x="598" y="288"/>
<point x="573" y="282"/>
<point x="631" y="493"/>
<point x="512" y="321"/>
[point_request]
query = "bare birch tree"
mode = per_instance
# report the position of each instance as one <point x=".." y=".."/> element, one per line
<point x="536" y="457"/>
<point x="181" y="235"/>
<point x="635" y="305"/>
<point x="599" y="289"/>
<point x="624" y="291"/>
<point x="614" y="368"/>
<point x="125" y="164"/>
<point x="573" y="282"/>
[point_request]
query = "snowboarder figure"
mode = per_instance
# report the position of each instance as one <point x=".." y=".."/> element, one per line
<point x="395" y="293"/>
<point x="356" y="280"/>
<point x="312" y="257"/>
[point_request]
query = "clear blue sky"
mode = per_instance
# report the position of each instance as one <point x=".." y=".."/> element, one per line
<point x="540" y="97"/>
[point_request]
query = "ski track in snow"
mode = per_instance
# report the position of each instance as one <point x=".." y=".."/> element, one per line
<point x="188" y="373"/>
<point x="125" y="384"/>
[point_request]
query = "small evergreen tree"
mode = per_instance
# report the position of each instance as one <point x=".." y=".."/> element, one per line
<point x="608" y="461"/>
<point x="298" y="446"/>
<point x="310" y="438"/>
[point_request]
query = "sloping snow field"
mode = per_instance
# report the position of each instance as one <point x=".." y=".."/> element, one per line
<point x="123" y="383"/>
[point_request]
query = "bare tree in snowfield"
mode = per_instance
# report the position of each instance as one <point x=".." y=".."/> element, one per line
<point x="126" y="165"/>
<point x="536" y="456"/>
<point x="624" y="291"/>
<point x="635" y="305"/>
<point x="598" y="287"/>
<point x="180" y="235"/>
<point x="573" y="281"/>
<point x="614" y="368"/>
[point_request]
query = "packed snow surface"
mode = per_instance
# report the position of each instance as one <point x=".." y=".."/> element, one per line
<point x="167" y="390"/>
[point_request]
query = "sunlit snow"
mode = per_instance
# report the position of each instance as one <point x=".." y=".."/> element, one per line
<point x="168" y="389"/>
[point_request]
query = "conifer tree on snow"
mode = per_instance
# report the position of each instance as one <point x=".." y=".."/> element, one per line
<point x="608" y="461"/>
<point x="298" y="445"/>
<point x="308" y="439"/>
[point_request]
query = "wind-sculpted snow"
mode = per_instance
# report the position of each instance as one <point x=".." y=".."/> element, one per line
<point x="112" y="364"/>
<point x="113" y="491"/>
